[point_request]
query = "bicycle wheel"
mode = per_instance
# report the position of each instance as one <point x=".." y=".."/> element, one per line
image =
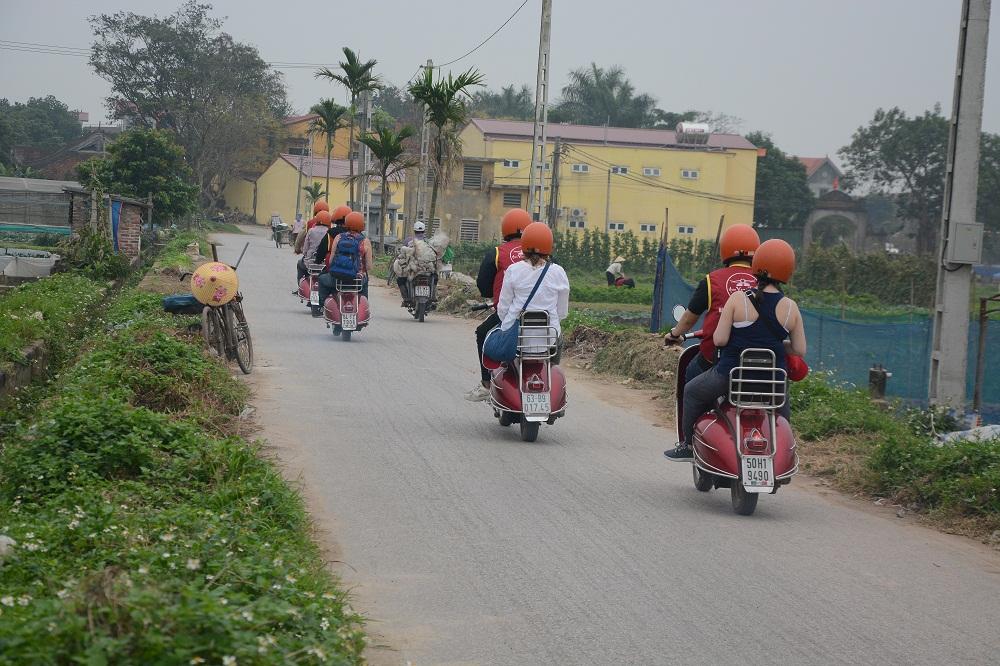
<point x="211" y="330"/>
<point x="244" y="344"/>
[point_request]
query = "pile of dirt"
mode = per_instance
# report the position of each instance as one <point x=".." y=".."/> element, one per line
<point x="637" y="356"/>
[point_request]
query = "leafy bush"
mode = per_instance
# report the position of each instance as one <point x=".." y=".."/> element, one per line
<point x="90" y="253"/>
<point x="143" y="540"/>
<point x="51" y="310"/>
<point x="603" y="294"/>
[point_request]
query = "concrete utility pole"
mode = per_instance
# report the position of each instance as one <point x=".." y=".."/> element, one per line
<point x="366" y="156"/>
<point x="298" y="187"/>
<point x="536" y="181"/>
<point x="425" y="140"/>
<point x="554" y="198"/>
<point x="607" y="203"/>
<point x="961" y="235"/>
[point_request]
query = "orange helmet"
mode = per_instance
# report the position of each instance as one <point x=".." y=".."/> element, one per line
<point x="537" y="237"/>
<point x="514" y="221"/>
<point x="340" y="212"/>
<point x="320" y="205"/>
<point x="355" y="221"/>
<point x="738" y="241"/>
<point x="323" y="217"/>
<point x="775" y="260"/>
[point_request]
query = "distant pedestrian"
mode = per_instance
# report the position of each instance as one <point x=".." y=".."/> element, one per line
<point x="615" y="270"/>
<point x="297" y="227"/>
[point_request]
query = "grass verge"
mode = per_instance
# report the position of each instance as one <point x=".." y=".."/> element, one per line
<point x="148" y="531"/>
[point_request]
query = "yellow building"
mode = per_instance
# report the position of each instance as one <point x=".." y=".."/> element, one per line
<point x="275" y="190"/>
<point x="613" y="179"/>
<point x="298" y="139"/>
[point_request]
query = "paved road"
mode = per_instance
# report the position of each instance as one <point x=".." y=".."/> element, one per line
<point x="465" y="545"/>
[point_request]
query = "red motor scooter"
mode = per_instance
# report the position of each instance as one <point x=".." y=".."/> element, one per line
<point x="530" y="390"/>
<point x="309" y="287"/>
<point x="742" y="444"/>
<point x="346" y="310"/>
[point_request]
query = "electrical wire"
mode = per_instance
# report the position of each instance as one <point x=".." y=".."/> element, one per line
<point x="483" y="43"/>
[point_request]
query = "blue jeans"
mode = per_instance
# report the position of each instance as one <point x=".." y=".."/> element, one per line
<point x="697" y="366"/>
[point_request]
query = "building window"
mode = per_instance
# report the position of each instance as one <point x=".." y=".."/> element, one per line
<point x="548" y="166"/>
<point x="685" y="230"/>
<point x="616" y="226"/>
<point x="400" y="217"/>
<point x="468" y="232"/>
<point x="651" y="171"/>
<point x="690" y="174"/>
<point x="472" y="176"/>
<point x="581" y="168"/>
<point x="648" y="228"/>
<point x="577" y="223"/>
<point x="435" y="225"/>
<point x="619" y="169"/>
<point x="355" y="155"/>
<point x="513" y="164"/>
<point x="512" y="199"/>
<point x="298" y="150"/>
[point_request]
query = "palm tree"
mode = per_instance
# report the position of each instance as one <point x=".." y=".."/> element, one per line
<point x="314" y="193"/>
<point x="330" y="119"/>
<point x="595" y="96"/>
<point x="391" y="162"/>
<point x="511" y="102"/>
<point x="444" y="101"/>
<point x="358" y="78"/>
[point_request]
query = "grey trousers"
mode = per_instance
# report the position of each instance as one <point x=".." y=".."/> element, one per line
<point x="700" y="395"/>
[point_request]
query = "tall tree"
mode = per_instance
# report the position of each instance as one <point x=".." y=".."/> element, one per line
<point x="182" y="73"/>
<point x="896" y="154"/>
<point x="329" y="119"/>
<point x="782" y="199"/>
<point x="445" y="102"/>
<point x="44" y="122"/>
<point x="358" y="78"/>
<point x="510" y="102"/>
<point x="143" y="162"/>
<point x="389" y="149"/>
<point x="595" y="96"/>
<point x="396" y="103"/>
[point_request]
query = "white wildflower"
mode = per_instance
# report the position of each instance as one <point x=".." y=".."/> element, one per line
<point x="194" y="564"/>
<point x="144" y="570"/>
<point x="324" y="624"/>
<point x="278" y="561"/>
<point x="228" y="661"/>
<point x="73" y="524"/>
<point x="169" y="536"/>
<point x="24" y="601"/>
<point x="196" y="660"/>
<point x="290" y="579"/>
<point x="247" y="615"/>
<point x="7" y="601"/>
<point x="318" y="653"/>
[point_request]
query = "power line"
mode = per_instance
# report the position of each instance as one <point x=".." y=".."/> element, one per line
<point x="482" y="43"/>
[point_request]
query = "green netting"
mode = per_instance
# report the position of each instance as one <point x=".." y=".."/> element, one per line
<point x="849" y="348"/>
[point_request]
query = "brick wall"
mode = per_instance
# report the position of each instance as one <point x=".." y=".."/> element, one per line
<point x="129" y="230"/>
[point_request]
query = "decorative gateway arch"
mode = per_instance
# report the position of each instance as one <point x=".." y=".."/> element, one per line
<point x="837" y="217"/>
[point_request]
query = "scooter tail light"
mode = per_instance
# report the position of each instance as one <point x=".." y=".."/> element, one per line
<point x="755" y="442"/>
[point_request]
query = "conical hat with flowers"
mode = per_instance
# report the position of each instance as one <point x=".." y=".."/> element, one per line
<point x="214" y="283"/>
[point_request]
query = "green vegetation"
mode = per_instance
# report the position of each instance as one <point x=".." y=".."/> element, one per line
<point x="145" y="537"/>
<point x="44" y="122"/>
<point x="50" y="310"/>
<point x="641" y="295"/>
<point x="892" y="454"/>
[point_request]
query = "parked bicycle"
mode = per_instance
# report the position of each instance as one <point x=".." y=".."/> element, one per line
<point x="224" y="326"/>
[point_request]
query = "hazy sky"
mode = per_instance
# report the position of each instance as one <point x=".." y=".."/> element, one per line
<point x="807" y="71"/>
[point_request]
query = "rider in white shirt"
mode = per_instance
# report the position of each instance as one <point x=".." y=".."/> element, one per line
<point x="520" y="278"/>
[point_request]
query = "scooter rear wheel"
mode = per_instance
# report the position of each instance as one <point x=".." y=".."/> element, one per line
<point x="529" y="430"/>
<point x="346" y="336"/>
<point x="702" y="481"/>
<point x="744" y="503"/>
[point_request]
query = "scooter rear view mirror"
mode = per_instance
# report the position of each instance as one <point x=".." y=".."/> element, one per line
<point x="678" y="312"/>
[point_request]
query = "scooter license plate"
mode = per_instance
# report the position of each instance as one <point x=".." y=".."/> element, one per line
<point x="421" y="290"/>
<point x="349" y="321"/>
<point x="758" y="474"/>
<point x="314" y="297"/>
<point x="534" y="404"/>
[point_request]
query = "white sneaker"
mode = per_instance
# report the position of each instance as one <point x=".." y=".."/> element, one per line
<point x="478" y="394"/>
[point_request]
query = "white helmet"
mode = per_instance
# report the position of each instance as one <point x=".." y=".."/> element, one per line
<point x="419" y="227"/>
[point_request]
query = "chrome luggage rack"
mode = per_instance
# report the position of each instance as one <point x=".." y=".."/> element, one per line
<point x="756" y="383"/>
<point x="353" y="286"/>
<point x="536" y="338"/>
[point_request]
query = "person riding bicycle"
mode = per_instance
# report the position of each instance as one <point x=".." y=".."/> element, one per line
<point x="350" y="256"/>
<point x="489" y="282"/>
<point x="311" y="241"/>
<point x="736" y="248"/>
<point x="758" y="318"/>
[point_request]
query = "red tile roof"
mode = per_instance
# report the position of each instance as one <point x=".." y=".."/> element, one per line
<point x="812" y="164"/>
<point x="291" y="120"/>
<point x="316" y="166"/>
<point x="626" y="136"/>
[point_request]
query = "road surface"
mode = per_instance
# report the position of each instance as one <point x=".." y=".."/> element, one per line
<point x="466" y="546"/>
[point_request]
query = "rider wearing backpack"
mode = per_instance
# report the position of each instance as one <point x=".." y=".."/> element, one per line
<point x="349" y="258"/>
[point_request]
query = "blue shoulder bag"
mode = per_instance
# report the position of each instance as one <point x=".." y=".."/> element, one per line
<point x="501" y="345"/>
